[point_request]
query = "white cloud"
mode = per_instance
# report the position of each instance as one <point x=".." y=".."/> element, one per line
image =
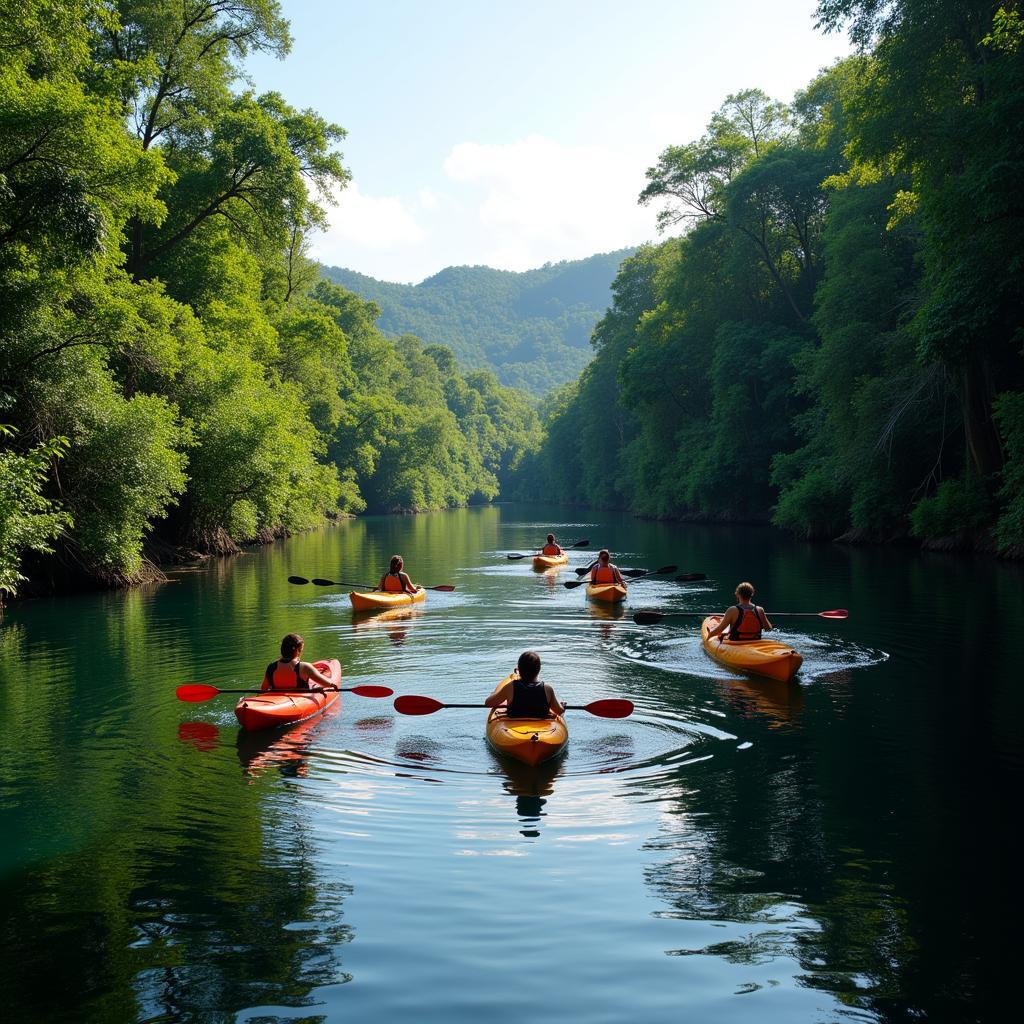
<point x="543" y="200"/>
<point x="365" y="222"/>
<point x="428" y="199"/>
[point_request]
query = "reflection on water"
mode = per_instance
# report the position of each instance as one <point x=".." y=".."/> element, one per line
<point x="737" y="849"/>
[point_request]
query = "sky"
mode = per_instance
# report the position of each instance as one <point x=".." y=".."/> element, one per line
<point x="513" y="135"/>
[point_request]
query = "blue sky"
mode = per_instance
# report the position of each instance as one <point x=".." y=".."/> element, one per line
<point x="514" y="135"/>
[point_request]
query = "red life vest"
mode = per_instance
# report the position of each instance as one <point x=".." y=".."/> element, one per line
<point x="748" y="625"/>
<point x="603" y="574"/>
<point x="551" y="549"/>
<point x="284" y="676"/>
<point x="393" y="583"/>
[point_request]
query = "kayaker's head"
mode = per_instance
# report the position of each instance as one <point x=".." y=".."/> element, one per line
<point x="291" y="646"/>
<point x="551" y="538"/>
<point x="396" y="564"/>
<point x="529" y="666"/>
<point x="603" y="556"/>
<point x="744" y="592"/>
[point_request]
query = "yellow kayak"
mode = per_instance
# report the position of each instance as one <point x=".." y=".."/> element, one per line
<point x="541" y="562"/>
<point x="530" y="740"/>
<point x="763" y="657"/>
<point x="377" y="600"/>
<point x="606" y="592"/>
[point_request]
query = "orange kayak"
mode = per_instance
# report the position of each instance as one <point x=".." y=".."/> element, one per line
<point x="542" y="562"/>
<point x="763" y="657"/>
<point x="376" y="600"/>
<point x="606" y="592"/>
<point x="275" y="708"/>
<point x="530" y="740"/>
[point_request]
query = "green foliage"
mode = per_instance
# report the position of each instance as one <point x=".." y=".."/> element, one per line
<point x="1009" y="412"/>
<point x="825" y="340"/>
<point x="28" y="520"/>
<point x="531" y="329"/>
<point x="958" y="506"/>
<point x="158" y="310"/>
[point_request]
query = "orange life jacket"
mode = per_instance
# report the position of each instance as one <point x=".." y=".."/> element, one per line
<point x="749" y="624"/>
<point x="551" y="549"/>
<point x="284" y="676"/>
<point x="393" y="583"/>
<point x="603" y="574"/>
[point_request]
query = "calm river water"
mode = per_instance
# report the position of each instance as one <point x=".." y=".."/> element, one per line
<point x="843" y="848"/>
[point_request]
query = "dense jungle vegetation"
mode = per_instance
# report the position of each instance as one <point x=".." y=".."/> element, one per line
<point x="173" y="372"/>
<point x="835" y="338"/>
<point x="531" y="328"/>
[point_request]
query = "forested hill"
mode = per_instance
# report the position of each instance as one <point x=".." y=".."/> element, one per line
<point x="833" y="338"/>
<point x="532" y="328"/>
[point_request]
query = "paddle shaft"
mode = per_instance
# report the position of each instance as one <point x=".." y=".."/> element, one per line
<point x="566" y="547"/>
<point x="445" y="588"/>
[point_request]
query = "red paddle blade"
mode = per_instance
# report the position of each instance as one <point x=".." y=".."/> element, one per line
<point x="445" y="588"/>
<point x="610" y="708"/>
<point x="412" y="705"/>
<point x="196" y="693"/>
<point x="835" y="613"/>
<point x="372" y="691"/>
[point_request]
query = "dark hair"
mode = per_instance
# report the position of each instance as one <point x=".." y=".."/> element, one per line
<point x="396" y="563"/>
<point x="603" y="553"/>
<point x="551" y="538"/>
<point x="745" y="590"/>
<point x="529" y="666"/>
<point x="291" y="645"/>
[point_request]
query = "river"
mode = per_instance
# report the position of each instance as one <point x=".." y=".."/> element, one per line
<point x="841" y="848"/>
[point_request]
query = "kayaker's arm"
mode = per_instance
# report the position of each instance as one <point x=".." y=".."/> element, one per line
<point x="502" y="692"/>
<point x="723" y="624"/>
<point x="555" y="706"/>
<point x="767" y="625"/>
<point x="311" y="675"/>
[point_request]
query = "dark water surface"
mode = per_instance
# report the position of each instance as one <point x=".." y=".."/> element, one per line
<point x="843" y="848"/>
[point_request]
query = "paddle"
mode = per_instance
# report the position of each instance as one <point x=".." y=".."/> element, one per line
<point x="649" y="618"/>
<point x="196" y="693"/>
<point x="445" y="588"/>
<point x="609" y="708"/>
<point x="686" y="577"/>
<point x="565" y="547"/>
<point x="641" y="575"/>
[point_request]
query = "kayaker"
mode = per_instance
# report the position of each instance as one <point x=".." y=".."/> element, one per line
<point x="744" y="620"/>
<point x="603" y="571"/>
<point x="551" y="548"/>
<point x="290" y="673"/>
<point x="526" y="695"/>
<point x="395" y="581"/>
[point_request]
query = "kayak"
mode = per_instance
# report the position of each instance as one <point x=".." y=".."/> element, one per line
<point x="763" y="657"/>
<point x="606" y="592"/>
<point x="376" y="600"/>
<point x="530" y="740"/>
<point x="541" y="562"/>
<point x="275" y="708"/>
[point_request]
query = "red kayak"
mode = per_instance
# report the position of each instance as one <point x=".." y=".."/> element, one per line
<point x="275" y="708"/>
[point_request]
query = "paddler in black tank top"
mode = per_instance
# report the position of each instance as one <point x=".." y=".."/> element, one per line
<point x="527" y="696"/>
<point x="744" y="620"/>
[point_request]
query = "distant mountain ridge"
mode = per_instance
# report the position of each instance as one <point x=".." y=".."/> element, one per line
<point x="532" y="328"/>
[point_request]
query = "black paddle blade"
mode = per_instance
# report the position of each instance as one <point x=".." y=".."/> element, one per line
<point x="573" y="584"/>
<point x="297" y="579"/>
<point x="647" y="618"/>
<point x="514" y="558"/>
<point x="323" y="583"/>
<point x="581" y="544"/>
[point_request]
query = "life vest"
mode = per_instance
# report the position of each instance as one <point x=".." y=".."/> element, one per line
<point x="393" y="583"/>
<point x="603" y="574"/>
<point x="284" y="677"/>
<point x="748" y="625"/>
<point x="551" y="549"/>
<point x="529" y="700"/>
